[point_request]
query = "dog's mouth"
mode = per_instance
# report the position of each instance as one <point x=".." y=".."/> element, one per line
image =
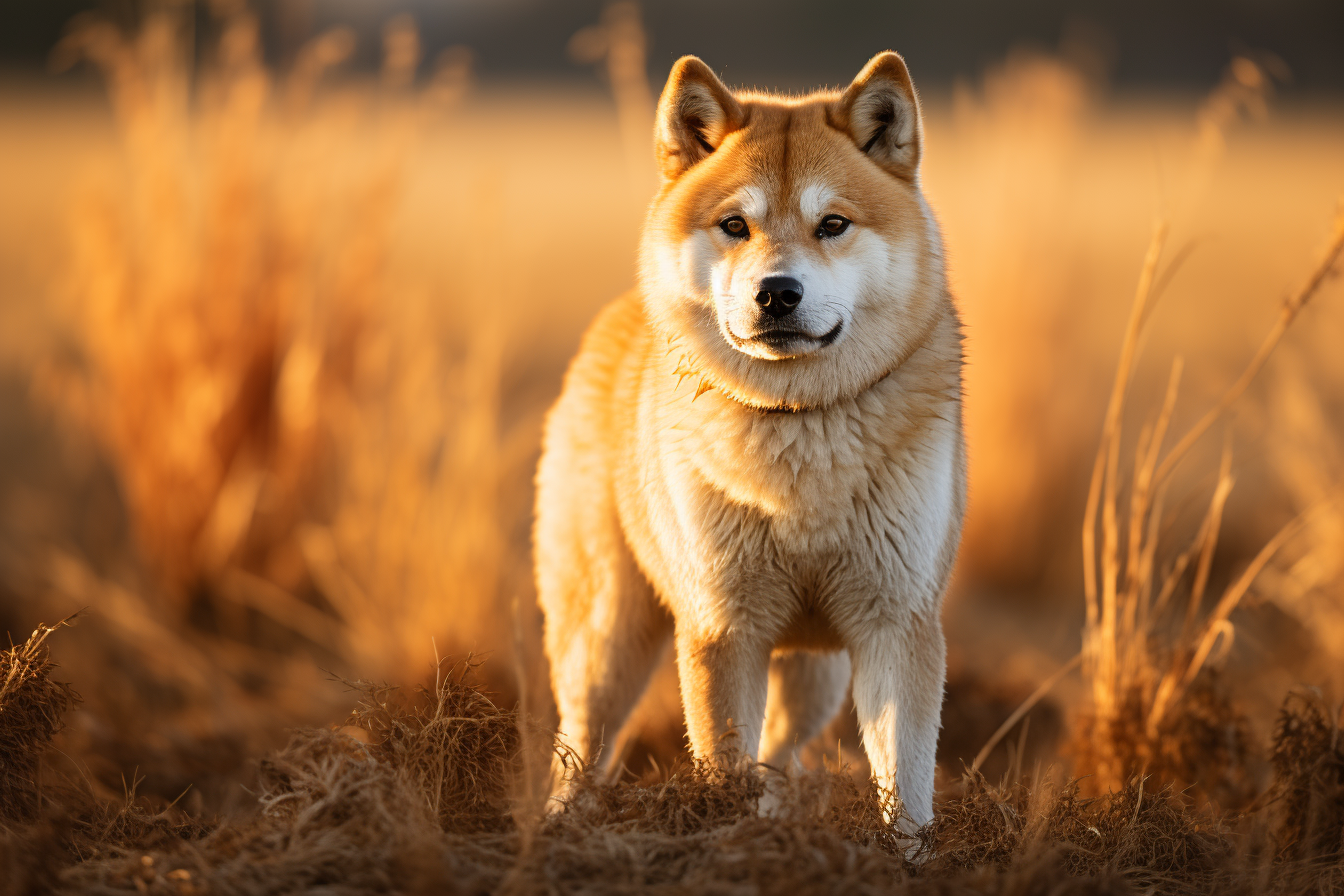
<point x="783" y="342"/>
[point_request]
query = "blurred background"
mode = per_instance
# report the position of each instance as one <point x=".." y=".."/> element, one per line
<point x="286" y="289"/>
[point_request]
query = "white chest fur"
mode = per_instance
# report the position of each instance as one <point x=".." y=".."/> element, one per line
<point x="759" y="507"/>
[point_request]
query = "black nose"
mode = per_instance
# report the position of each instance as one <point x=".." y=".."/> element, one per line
<point x="778" y="296"/>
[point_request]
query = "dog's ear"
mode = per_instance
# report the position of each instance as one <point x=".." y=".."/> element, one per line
<point x="881" y="112"/>
<point x="695" y="113"/>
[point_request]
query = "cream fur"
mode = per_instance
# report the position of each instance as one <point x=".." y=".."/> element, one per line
<point x="805" y="507"/>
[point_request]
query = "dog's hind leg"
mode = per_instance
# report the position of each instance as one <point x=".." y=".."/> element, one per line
<point x="807" y="689"/>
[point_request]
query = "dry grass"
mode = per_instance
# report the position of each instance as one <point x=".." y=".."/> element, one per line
<point x="278" y="433"/>
<point x="1308" y="761"/>
<point x="32" y="710"/>
<point x="415" y="799"/>
<point x="1149" y="635"/>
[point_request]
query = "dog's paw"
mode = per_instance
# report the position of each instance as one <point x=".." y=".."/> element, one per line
<point x="557" y="803"/>
<point x="916" y="851"/>
<point x="793" y="793"/>
<point x="774" y="802"/>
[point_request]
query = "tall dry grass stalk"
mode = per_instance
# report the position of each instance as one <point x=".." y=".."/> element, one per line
<point x="1149" y="633"/>
<point x="298" y="431"/>
<point x="1308" y="460"/>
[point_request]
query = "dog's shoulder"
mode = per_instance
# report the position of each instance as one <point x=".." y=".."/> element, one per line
<point x="619" y="328"/>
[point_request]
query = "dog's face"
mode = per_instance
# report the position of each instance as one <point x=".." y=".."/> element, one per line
<point x="790" y="250"/>
<point x="763" y="250"/>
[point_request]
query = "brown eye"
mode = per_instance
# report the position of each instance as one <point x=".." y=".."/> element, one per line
<point x="735" y="227"/>
<point x="832" y="225"/>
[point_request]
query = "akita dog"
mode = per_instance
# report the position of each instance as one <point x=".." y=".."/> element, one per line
<point x="759" y="453"/>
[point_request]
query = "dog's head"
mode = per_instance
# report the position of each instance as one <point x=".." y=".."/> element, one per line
<point x="789" y="249"/>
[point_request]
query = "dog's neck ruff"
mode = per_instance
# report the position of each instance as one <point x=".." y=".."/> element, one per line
<point x="803" y="408"/>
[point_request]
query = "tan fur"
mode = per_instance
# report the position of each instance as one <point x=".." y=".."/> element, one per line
<point x="783" y="508"/>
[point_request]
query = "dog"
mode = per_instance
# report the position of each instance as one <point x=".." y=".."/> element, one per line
<point x="758" y="454"/>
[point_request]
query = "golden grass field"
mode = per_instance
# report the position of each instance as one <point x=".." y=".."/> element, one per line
<point x="274" y="355"/>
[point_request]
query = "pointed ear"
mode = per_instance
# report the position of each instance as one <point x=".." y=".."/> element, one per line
<point x="881" y="113"/>
<point x="695" y="113"/>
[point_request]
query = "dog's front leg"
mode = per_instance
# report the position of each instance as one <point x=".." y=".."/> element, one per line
<point x="899" y="672"/>
<point x="724" y="679"/>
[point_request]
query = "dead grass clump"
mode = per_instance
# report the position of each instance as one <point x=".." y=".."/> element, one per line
<point x="1155" y="839"/>
<point x="89" y="828"/>
<point x="333" y="819"/>
<point x="411" y="791"/>
<point x="32" y="707"/>
<point x="697" y="795"/>
<point x="334" y="816"/>
<point x="52" y="818"/>
<point x="1308" y="789"/>
<point x="452" y="746"/>
<point x="983" y="825"/>
<point x="1206" y="747"/>
<point x="83" y="843"/>
<point x="1126" y="841"/>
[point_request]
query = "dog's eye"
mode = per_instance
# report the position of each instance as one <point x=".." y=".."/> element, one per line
<point x="832" y="225"/>
<point x="735" y="227"/>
